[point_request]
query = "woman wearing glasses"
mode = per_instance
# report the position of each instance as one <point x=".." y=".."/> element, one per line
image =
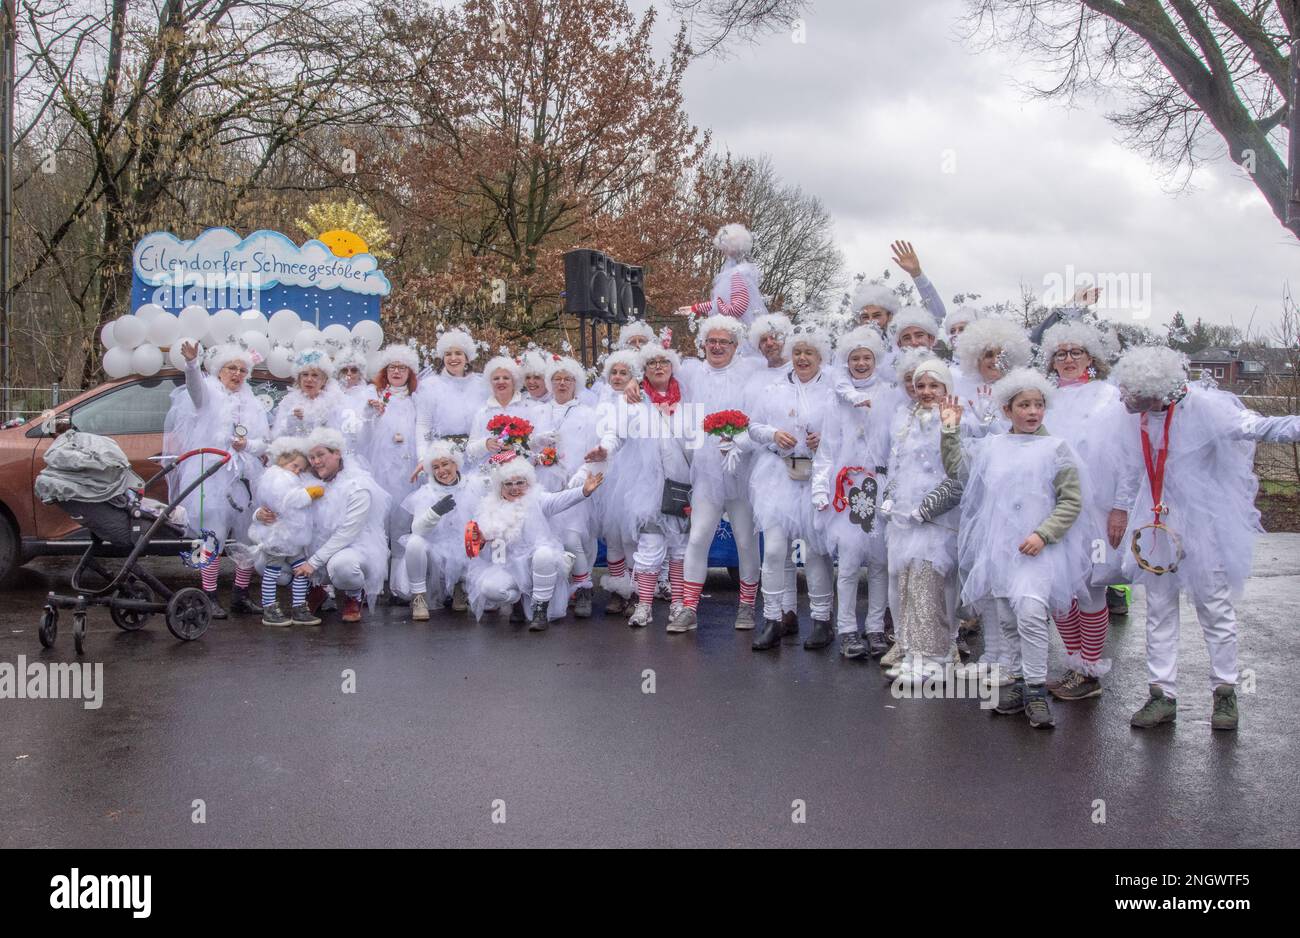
<point x="1087" y="412"/>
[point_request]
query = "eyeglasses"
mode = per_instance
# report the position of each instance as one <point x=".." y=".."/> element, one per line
<point x="1070" y="353"/>
<point x="719" y="343"/>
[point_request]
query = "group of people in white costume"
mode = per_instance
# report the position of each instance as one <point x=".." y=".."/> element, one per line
<point x="968" y="478"/>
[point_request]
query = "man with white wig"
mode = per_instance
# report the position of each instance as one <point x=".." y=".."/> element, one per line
<point x="1194" y="523"/>
<point x="218" y="410"/>
<point x="349" y="549"/>
<point x="876" y="304"/>
<point x="788" y="422"/>
<point x="736" y="287"/>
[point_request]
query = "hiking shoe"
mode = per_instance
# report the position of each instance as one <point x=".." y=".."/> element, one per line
<point x="664" y="591"/>
<point x="877" y="644"/>
<point x="459" y="600"/>
<point x="640" y="617"/>
<point x="1066" y="676"/>
<point x="1117" y="600"/>
<point x="682" y="620"/>
<point x="1010" y="699"/>
<point x="1225" y="708"/>
<point x="852" y="646"/>
<point x="1158" y="709"/>
<point x="582" y="603"/>
<point x="419" y="608"/>
<point x="272" y="615"/>
<point x="241" y="605"/>
<point x="538" y="623"/>
<point x="217" y="611"/>
<point x="1076" y="686"/>
<point x="301" y="615"/>
<point x="1037" y="708"/>
<point x="744" y="617"/>
<point x="615" y="604"/>
<point x="790" y="623"/>
<point x="517" y="612"/>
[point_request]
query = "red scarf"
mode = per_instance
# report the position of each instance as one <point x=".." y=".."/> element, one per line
<point x="666" y="400"/>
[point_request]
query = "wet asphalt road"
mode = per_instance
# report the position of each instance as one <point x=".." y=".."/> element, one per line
<point x="449" y="717"/>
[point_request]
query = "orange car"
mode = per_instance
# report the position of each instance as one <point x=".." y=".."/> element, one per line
<point x="131" y="411"/>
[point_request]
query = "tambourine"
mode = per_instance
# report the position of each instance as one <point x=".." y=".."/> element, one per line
<point x="474" y="540"/>
<point x="1144" y="563"/>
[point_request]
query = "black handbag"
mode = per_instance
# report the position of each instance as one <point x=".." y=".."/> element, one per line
<point x="677" y="498"/>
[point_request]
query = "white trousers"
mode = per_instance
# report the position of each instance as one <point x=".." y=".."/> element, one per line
<point x="816" y="567"/>
<point x="1218" y="625"/>
<point x="654" y="545"/>
<point x="1026" y="627"/>
<point x="545" y="564"/>
<point x="705" y="516"/>
<point x="345" y="572"/>
<point x="846" y="618"/>
<point x="424" y="574"/>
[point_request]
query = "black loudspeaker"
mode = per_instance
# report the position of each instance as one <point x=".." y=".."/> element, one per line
<point x="590" y="286"/>
<point x="631" y="292"/>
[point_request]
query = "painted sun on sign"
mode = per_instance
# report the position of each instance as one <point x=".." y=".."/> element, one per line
<point x="343" y="243"/>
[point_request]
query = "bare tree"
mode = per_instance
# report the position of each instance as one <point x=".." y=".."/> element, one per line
<point x="1200" y="78"/>
<point x="715" y="25"/>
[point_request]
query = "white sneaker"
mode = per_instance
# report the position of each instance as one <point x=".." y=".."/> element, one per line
<point x="640" y="617"/>
<point x="664" y="591"/>
<point x="419" y="608"/>
<point x="681" y="618"/>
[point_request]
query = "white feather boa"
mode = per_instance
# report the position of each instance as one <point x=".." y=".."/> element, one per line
<point x="500" y="520"/>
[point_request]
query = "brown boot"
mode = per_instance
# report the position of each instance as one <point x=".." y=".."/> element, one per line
<point x="351" y="609"/>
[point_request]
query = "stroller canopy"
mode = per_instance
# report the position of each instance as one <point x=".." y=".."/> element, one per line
<point x="84" y="467"/>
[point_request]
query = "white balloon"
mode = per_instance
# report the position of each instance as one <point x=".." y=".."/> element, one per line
<point x="117" y="362"/>
<point x="194" y="321"/>
<point x="175" y="356"/>
<point x="163" y="329"/>
<point x="257" y="342"/>
<point x="224" y="326"/>
<point x="128" y="332"/>
<point x="254" y="319"/>
<point x="283" y="325"/>
<point x="106" y="335"/>
<point x="146" y="360"/>
<point x="280" y="362"/>
<point x="370" y="333"/>
<point x="149" y="312"/>
<point x="308" y="337"/>
<point x="336" y="335"/>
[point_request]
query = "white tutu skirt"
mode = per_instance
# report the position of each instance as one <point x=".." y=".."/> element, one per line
<point x="634" y="492"/>
<point x="781" y="502"/>
<point x="713" y="483"/>
<point x="846" y="539"/>
<point x="447" y="540"/>
<point x="484" y="576"/>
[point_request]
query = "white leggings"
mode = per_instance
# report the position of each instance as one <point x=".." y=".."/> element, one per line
<point x="504" y="591"/>
<point x="846" y="619"/>
<point x="705" y="516"/>
<point x="399" y="523"/>
<point x="424" y="574"/>
<point x="816" y="567"/>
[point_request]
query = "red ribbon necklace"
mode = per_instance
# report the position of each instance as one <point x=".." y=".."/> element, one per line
<point x="1156" y="464"/>
<point x="841" y="499"/>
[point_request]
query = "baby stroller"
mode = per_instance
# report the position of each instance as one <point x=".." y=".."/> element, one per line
<point x="90" y="478"/>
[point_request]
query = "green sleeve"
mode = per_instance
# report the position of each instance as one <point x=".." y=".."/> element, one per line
<point x="954" y="462"/>
<point x="1069" y="502"/>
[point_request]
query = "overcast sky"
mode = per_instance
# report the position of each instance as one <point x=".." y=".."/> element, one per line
<point x="866" y="111"/>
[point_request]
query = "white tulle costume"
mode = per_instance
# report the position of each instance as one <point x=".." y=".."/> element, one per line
<point x="350" y="539"/>
<point x="434" y="551"/>
<point x="569" y="428"/>
<point x="285" y="493"/>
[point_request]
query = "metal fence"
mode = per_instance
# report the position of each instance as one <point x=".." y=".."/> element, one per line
<point x="26" y="403"/>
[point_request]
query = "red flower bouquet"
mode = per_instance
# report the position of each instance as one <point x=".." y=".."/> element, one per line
<point x="728" y="424"/>
<point x="511" y="431"/>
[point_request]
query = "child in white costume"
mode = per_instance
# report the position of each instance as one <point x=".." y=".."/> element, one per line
<point x="314" y="400"/>
<point x="521" y="562"/>
<point x="787" y="424"/>
<point x="392" y="446"/>
<point x="288" y="489"/>
<point x="1198" y="449"/>
<point x="1019" y="544"/>
<point x="447" y="400"/>
<point x="434" y="551"/>
<point x="1087" y="412"/>
<point x="849" y="472"/>
<point x="569" y="429"/>
<point x="621" y="368"/>
<point x="646" y="447"/>
<point x="218" y="410"/>
<point x="921" y="539"/>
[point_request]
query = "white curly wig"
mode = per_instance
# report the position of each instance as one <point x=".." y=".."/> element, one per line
<point x="1101" y="345"/>
<point x="910" y="316"/>
<point x="719" y="323"/>
<point x="936" y="368"/>
<point x="809" y="335"/>
<point x="867" y="337"/>
<point x="874" y="294"/>
<point x="441" y="449"/>
<point x="962" y="314"/>
<point x="1151" y="371"/>
<point x="767" y="324"/>
<point x="626" y="356"/>
<point x="313" y="359"/>
<point x="394" y="354"/>
<point x="503" y="363"/>
<point x="654" y="350"/>
<point x="517" y="468"/>
<point x="327" y="437"/>
<point x="284" y="445"/>
<point x="219" y="355"/>
<point x="350" y="356"/>
<point x="569" y="366"/>
<point x="535" y="361"/>
<point x="458" y="339"/>
<point x="994" y="333"/>
<point x="634" y="328"/>
<point x="734" y="240"/>
<point x="909" y="359"/>
<point x="1018" y="380"/>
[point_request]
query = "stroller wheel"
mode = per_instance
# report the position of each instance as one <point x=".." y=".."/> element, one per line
<point x="131" y="619"/>
<point x="79" y="631"/>
<point x="49" y="627"/>
<point x="188" y="614"/>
